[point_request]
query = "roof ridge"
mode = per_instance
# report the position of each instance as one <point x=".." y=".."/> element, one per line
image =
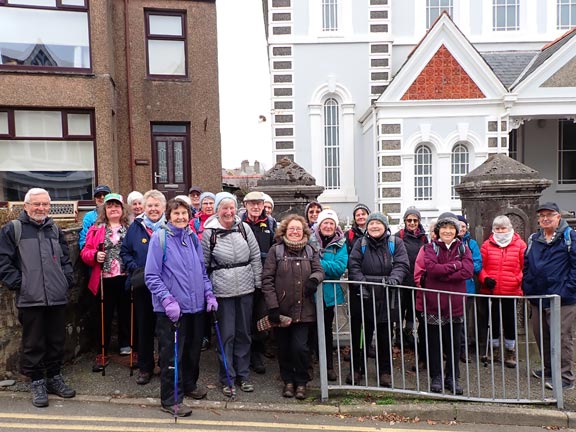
<point x="549" y="44"/>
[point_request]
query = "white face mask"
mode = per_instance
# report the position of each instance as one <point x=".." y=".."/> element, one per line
<point x="503" y="239"/>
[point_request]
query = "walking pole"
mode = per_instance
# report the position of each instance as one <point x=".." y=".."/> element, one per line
<point x="101" y="249"/>
<point x="222" y="352"/>
<point x="175" y="409"/>
<point x="131" y="330"/>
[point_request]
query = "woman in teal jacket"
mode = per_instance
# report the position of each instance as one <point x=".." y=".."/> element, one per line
<point x="329" y="239"/>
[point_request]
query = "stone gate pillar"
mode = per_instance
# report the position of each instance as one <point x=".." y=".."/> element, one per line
<point x="501" y="186"/>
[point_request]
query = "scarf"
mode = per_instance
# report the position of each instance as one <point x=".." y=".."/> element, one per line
<point x="295" y="246"/>
<point x="154" y="225"/>
<point x="503" y="239"/>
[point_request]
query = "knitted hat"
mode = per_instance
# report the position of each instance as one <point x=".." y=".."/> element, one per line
<point x="360" y="206"/>
<point x="463" y="219"/>
<point x="377" y="216"/>
<point x="205" y="195"/>
<point x="447" y="215"/>
<point x="327" y="214"/>
<point x="268" y="199"/>
<point x="220" y="196"/>
<point x="443" y="221"/>
<point x="412" y="211"/>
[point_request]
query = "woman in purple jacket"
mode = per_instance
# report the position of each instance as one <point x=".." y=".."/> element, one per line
<point x="447" y="265"/>
<point x="181" y="291"/>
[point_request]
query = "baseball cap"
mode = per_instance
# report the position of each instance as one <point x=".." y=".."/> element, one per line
<point x="548" y="206"/>
<point x="113" y="197"/>
<point x="102" y="189"/>
<point x="195" y="189"/>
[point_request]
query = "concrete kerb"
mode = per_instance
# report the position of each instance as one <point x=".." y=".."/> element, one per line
<point x="442" y="412"/>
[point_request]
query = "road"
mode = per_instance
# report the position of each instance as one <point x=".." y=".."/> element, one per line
<point x="20" y="415"/>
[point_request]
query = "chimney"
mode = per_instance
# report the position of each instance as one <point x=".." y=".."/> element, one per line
<point x="244" y="166"/>
<point x="256" y="167"/>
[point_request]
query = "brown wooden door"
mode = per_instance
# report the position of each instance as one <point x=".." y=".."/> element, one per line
<point x="171" y="164"/>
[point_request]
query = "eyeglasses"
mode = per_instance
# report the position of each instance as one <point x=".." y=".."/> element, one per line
<point x="412" y="220"/>
<point x="100" y="195"/>
<point x="39" y="204"/>
<point x="314" y="211"/>
<point x="295" y="229"/>
<point x="547" y="215"/>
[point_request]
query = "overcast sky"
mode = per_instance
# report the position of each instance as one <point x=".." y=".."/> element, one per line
<point x="244" y="83"/>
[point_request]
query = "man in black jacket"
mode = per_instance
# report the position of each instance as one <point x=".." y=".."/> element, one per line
<point x="34" y="262"/>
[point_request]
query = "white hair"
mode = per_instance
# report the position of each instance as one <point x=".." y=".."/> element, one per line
<point x="501" y="221"/>
<point x="134" y="196"/>
<point x="184" y="198"/>
<point x="35" y="191"/>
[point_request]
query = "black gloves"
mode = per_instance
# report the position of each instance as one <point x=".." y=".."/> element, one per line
<point x="137" y="278"/>
<point x="274" y="315"/>
<point x="310" y="287"/>
<point x="389" y="281"/>
<point x="490" y="283"/>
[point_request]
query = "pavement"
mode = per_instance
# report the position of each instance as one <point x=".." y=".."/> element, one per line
<point x="118" y="387"/>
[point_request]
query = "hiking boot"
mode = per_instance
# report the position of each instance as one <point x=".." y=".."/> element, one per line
<point x="453" y="386"/>
<point x="57" y="386"/>
<point x="537" y="373"/>
<point x="371" y="352"/>
<point x="205" y="344"/>
<point x="178" y="410"/>
<point x="566" y="385"/>
<point x="39" y="394"/>
<point x="300" y="392"/>
<point x="98" y="366"/>
<point x="198" y="393"/>
<point x="495" y="357"/>
<point x="256" y="363"/>
<point x="385" y="380"/>
<point x="332" y="375"/>
<point x="510" y="358"/>
<point x="143" y="378"/>
<point x="246" y="387"/>
<point x="288" y="391"/>
<point x="436" y="384"/>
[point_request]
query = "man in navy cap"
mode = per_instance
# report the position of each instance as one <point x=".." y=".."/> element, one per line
<point x="550" y="268"/>
<point x="194" y="193"/>
<point x="89" y="218"/>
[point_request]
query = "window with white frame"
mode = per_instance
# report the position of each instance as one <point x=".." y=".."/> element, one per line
<point x="435" y="7"/>
<point x="567" y="153"/>
<point x="566" y="14"/>
<point x="505" y="15"/>
<point x="460" y="164"/>
<point x="422" y="173"/>
<point x="331" y="144"/>
<point x="166" y="40"/>
<point x="45" y="34"/>
<point x="329" y="15"/>
<point x="51" y="148"/>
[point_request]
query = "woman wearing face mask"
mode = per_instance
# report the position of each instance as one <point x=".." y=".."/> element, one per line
<point x="501" y="274"/>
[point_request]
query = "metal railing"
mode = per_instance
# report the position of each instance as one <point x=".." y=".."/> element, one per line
<point x="484" y="376"/>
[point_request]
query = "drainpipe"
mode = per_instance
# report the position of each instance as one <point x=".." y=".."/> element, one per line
<point x="128" y="93"/>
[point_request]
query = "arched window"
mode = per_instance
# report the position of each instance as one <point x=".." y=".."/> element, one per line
<point x="422" y="173"/>
<point x="460" y="164"/>
<point x="331" y="144"/>
<point x="329" y="15"/>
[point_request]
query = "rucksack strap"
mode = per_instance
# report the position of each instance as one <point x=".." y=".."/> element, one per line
<point x="280" y="256"/>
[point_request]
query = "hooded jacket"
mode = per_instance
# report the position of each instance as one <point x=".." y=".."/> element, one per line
<point x="241" y="255"/>
<point x="334" y="259"/>
<point x="177" y="269"/>
<point x="413" y="242"/>
<point x="504" y="265"/>
<point x="45" y="275"/>
<point x="476" y="258"/>
<point x="549" y="268"/>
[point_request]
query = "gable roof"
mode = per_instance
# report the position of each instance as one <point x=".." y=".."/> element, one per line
<point x="508" y="65"/>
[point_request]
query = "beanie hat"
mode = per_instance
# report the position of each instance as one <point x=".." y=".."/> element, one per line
<point x="220" y="196"/>
<point x="447" y="215"/>
<point x="268" y="199"/>
<point x="205" y="195"/>
<point x="412" y="211"/>
<point x="327" y="214"/>
<point x="447" y="221"/>
<point x="463" y="219"/>
<point x="377" y="216"/>
<point x="360" y="206"/>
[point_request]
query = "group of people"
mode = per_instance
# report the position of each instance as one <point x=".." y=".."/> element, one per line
<point x="199" y="258"/>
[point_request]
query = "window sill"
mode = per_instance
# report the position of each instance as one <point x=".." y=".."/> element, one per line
<point x="171" y="78"/>
<point x="56" y="71"/>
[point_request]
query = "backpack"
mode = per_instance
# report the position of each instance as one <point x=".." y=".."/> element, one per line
<point x="566" y="235"/>
<point x="401" y="235"/>
<point x="17" y="224"/>
<point x="214" y="237"/>
<point x="162" y="232"/>
<point x="461" y="249"/>
<point x="391" y="246"/>
<point x="309" y="251"/>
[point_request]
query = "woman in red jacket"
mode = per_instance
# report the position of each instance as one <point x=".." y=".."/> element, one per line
<point x="501" y="275"/>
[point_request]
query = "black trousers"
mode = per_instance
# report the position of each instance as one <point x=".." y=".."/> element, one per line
<point x="43" y="334"/>
<point x="190" y="331"/>
<point x="446" y="332"/>
<point x="116" y="301"/>
<point x="328" y="321"/>
<point x="145" y="325"/>
<point x="293" y="353"/>
<point x="360" y="330"/>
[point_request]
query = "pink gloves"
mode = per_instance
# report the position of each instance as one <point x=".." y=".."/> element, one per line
<point x="172" y="308"/>
<point x="211" y="304"/>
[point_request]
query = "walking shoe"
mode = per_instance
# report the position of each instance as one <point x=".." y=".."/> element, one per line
<point x="300" y="392"/>
<point x="510" y="358"/>
<point x="288" y="391"/>
<point x="178" y="410"/>
<point x="125" y="351"/>
<point x="245" y="386"/>
<point x="97" y="366"/>
<point x="357" y="378"/>
<point x="198" y="393"/>
<point x="332" y="375"/>
<point x="205" y="343"/>
<point x="537" y="373"/>
<point x="385" y="380"/>
<point x="256" y="363"/>
<point x="229" y="391"/>
<point x="57" y="386"/>
<point x="39" y="394"/>
<point x="436" y="384"/>
<point x="143" y="378"/>
<point x="453" y="387"/>
<point x="566" y="385"/>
